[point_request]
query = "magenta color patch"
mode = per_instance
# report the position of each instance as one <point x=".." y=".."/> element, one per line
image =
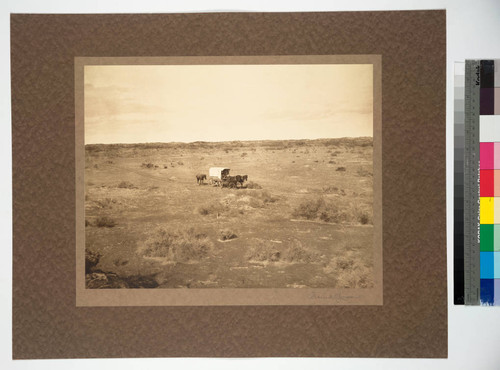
<point x="487" y="156"/>
<point x="497" y="156"/>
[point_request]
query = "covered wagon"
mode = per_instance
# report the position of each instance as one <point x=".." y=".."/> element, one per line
<point x="217" y="174"/>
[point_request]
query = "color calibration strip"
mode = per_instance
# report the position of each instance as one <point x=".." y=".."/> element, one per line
<point x="489" y="182"/>
<point x="458" y="177"/>
<point x="477" y="198"/>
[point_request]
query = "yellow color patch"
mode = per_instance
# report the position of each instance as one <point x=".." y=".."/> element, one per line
<point x="487" y="207"/>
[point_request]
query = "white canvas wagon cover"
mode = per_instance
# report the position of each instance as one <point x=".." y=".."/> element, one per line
<point x="217" y="171"/>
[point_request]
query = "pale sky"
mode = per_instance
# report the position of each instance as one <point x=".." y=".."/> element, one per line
<point x="186" y="103"/>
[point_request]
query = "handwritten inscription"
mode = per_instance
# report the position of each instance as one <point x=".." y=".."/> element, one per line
<point x="341" y="297"/>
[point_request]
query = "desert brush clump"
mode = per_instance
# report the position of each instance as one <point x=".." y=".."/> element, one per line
<point x="126" y="185"/>
<point x="259" y="199"/>
<point x="291" y="251"/>
<point x="91" y="260"/>
<point x="105" y="221"/>
<point x="350" y="271"/>
<point x="364" y="172"/>
<point x="179" y="245"/>
<point x="333" y="211"/>
<point x="212" y="208"/>
<point x="227" y="234"/>
<point x="106" y="203"/>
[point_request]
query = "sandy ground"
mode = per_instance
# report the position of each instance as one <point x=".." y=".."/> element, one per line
<point x="305" y="219"/>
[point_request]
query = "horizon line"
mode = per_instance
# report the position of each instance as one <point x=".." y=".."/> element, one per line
<point x="231" y="141"/>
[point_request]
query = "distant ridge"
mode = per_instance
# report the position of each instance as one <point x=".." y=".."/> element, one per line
<point x="351" y="141"/>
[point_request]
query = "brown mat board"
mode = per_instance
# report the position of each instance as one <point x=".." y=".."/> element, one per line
<point x="412" y="322"/>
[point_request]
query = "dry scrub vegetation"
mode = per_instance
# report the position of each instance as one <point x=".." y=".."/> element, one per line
<point x="304" y="218"/>
<point x="177" y="245"/>
<point x="292" y="251"/>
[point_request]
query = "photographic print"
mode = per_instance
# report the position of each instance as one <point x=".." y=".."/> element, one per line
<point x="207" y="181"/>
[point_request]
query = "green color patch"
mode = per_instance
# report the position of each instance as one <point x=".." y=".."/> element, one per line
<point x="487" y="237"/>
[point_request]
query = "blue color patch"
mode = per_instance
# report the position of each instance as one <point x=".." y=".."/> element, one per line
<point x="487" y="265"/>
<point x="487" y="291"/>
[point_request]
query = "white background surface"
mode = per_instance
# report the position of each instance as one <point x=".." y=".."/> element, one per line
<point x="473" y="30"/>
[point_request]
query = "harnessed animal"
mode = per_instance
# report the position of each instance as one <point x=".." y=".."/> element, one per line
<point x="200" y="178"/>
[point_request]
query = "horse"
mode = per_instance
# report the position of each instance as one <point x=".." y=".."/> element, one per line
<point x="200" y="178"/>
<point x="241" y="179"/>
<point x="229" y="182"/>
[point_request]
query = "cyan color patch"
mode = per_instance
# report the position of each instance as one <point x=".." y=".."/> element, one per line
<point x="496" y="265"/>
<point x="487" y="266"/>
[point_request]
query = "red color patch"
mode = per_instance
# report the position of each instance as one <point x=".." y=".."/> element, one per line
<point x="487" y="183"/>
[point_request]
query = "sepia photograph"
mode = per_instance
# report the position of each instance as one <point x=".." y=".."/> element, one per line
<point x="231" y="178"/>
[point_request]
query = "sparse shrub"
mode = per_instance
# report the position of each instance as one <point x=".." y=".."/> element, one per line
<point x="309" y="209"/>
<point x="295" y="252"/>
<point x="147" y="165"/>
<point x="363" y="172"/>
<point x="253" y="185"/>
<point x="341" y="169"/>
<point x="364" y="216"/>
<point x="244" y="154"/>
<point x="153" y="188"/>
<point x="332" y="162"/>
<point x="91" y="260"/>
<point x="263" y="252"/>
<point x="165" y="166"/>
<point x="227" y="234"/>
<point x="126" y="185"/>
<point x="344" y="262"/>
<point x="292" y="252"/>
<point x="105" y="221"/>
<point x="333" y="211"/>
<point x="180" y="163"/>
<point x="330" y="189"/>
<point x="351" y="272"/>
<point x="106" y="203"/>
<point x="260" y="198"/>
<point x="177" y="245"/>
<point x="213" y="208"/>
<point x="110" y="280"/>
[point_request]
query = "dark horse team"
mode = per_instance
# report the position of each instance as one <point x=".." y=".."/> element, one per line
<point x="227" y="181"/>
